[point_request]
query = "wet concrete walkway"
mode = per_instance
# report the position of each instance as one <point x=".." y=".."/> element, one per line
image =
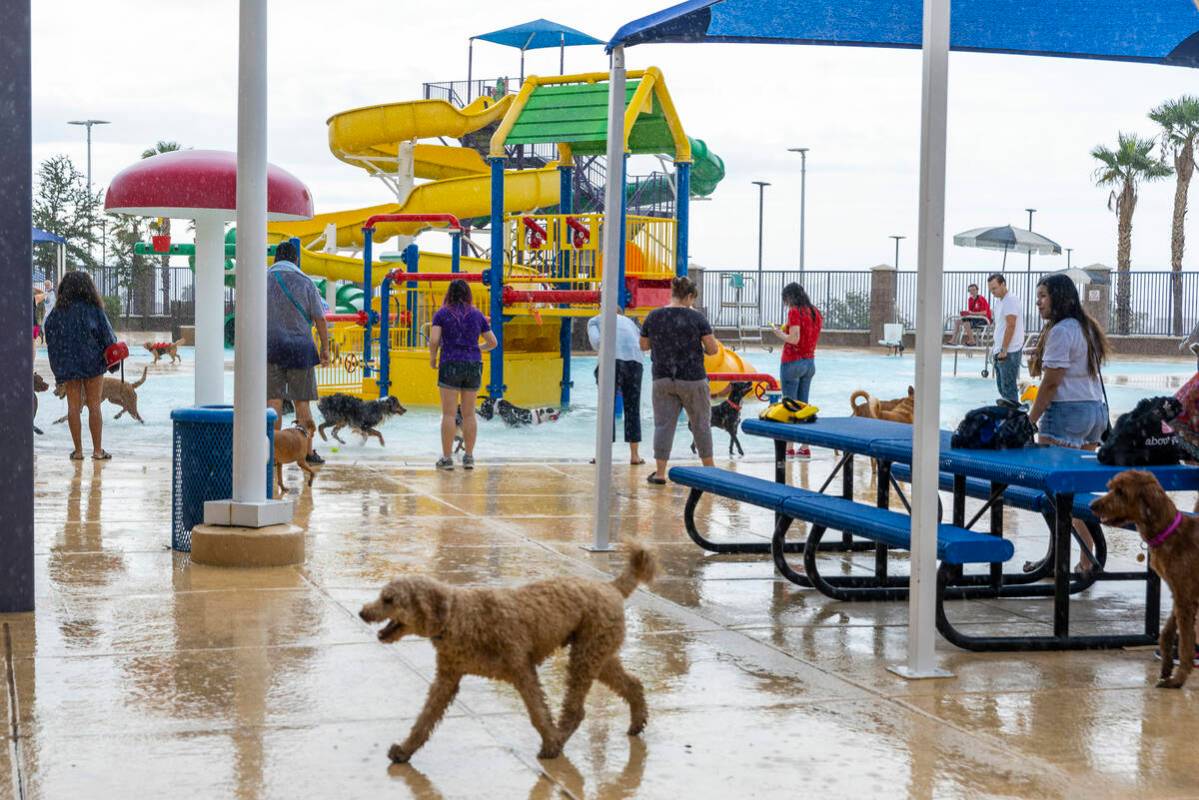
<point x="141" y="675"/>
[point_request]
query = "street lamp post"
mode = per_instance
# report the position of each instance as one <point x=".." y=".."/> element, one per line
<point x="1069" y="250"/>
<point x="897" y="239"/>
<point x="1030" y="211"/>
<point x="803" y="192"/>
<point x="761" y="208"/>
<point x="88" y="123"/>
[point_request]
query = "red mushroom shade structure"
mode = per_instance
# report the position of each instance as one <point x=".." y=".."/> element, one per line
<point x="201" y="185"/>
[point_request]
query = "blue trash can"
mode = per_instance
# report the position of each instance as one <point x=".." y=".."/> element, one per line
<point x="202" y="465"/>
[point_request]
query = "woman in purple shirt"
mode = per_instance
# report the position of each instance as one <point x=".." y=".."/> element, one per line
<point x="457" y="327"/>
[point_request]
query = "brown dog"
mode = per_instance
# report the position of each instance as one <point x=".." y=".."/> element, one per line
<point x="39" y="385"/>
<point x="901" y="409"/>
<point x="504" y="634"/>
<point x="291" y="447"/>
<point x="160" y="349"/>
<point x="115" y="391"/>
<point x="1173" y="538"/>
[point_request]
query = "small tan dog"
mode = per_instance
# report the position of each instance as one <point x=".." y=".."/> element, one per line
<point x="901" y="409"/>
<point x="1173" y="539"/>
<point x="291" y="447"/>
<point x="115" y="391"/>
<point x="504" y="634"/>
<point x="160" y="349"/>
<point x="39" y="385"/>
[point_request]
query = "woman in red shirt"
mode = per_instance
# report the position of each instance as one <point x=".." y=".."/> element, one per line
<point x="979" y="312"/>
<point x="799" y="336"/>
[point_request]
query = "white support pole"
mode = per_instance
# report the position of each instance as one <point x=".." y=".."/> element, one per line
<point x="609" y="289"/>
<point x="210" y="310"/>
<point x="921" y="661"/>
<point x="249" y="390"/>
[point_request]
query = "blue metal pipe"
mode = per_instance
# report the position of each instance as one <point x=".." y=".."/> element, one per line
<point x="455" y="250"/>
<point x="496" y="285"/>
<point x="384" y="381"/>
<point x="368" y="235"/>
<point x="565" y="206"/>
<point x="683" y="211"/>
<point x="411" y="259"/>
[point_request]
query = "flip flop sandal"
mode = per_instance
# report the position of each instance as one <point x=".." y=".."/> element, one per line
<point x="655" y="480"/>
<point x="76" y="456"/>
<point x="103" y="455"/>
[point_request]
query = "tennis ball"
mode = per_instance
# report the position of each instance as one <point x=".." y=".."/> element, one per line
<point x="334" y="449"/>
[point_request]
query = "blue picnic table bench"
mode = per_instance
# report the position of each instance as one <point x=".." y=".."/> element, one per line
<point x="1053" y="481"/>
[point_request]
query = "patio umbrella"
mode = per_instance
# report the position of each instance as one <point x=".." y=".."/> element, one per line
<point x="1008" y="238"/>
<point x="536" y="35"/>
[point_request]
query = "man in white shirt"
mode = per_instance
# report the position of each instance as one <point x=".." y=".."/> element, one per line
<point x="630" y="368"/>
<point x="1008" y="313"/>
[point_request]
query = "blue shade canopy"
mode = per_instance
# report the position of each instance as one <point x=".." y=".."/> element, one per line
<point x="1153" y="31"/>
<point x="40" y="235"/>
<point x="537" y="35"/>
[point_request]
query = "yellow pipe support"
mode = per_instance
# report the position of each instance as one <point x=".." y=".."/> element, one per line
<point x="682" y="145"/>
<point x="639" y="103"/>
<point x="514" y="111"/>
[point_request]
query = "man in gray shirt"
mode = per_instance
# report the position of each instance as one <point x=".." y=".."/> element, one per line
<point x="293" y="306"/>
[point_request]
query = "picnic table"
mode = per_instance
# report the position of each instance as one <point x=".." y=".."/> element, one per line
<point x="1060" y="474"/>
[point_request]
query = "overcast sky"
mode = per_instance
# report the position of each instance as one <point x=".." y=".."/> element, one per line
<point x="1020" y="129"/>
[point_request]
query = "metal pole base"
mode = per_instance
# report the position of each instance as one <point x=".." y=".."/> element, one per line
<point x="907" y="673"/>
<point x="591" y="548"/>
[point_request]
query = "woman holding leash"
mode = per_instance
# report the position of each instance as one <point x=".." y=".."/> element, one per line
<point x="77" y="334"/>
<point x="799" y="336"/>
<point x="1071" y="406"/>
<point x="677" y="337"/>
<point x="454" y="336"/>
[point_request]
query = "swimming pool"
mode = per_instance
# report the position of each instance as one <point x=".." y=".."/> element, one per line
<point x="415" y="438"/>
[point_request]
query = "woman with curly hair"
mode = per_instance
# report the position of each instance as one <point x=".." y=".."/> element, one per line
<point x="77" y="333"/>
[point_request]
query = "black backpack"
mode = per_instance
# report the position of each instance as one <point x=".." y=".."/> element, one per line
<point x="1138" y="438"/>
<point x="1000" y="427"/>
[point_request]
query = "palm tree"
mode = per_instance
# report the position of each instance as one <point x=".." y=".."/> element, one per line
<point x="162" y="227"/>
<point x="1130" y="163"/>
<point x="1180" y="133"/>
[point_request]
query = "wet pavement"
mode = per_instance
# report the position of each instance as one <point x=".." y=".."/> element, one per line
<point x="142" y="675"/>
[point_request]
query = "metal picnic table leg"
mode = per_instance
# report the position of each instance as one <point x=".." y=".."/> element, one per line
<point x="997" y="490"/>
<point x="847" y="493"/>
<point x="883" y="497"/>
<point x="1062" y="528"/>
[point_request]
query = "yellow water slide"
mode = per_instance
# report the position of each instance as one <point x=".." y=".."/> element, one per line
<point x="371" y="137"/>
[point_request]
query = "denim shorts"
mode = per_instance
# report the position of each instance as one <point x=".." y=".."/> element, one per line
<point x="1074" y="423"/>
<point x="463" y="375"/>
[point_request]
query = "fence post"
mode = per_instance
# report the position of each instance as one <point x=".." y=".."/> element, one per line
<point x="883" y="282"/>
<point x="697" y="274"/>
<point x="1096" y="295"/>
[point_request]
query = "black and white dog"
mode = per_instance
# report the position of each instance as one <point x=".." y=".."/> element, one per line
<point x="727" y="415"/>
<point x="361" y="416"/>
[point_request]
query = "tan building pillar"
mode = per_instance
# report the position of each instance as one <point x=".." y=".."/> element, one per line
<point x="883" y="281"/>
<point x="1097" y="295"/>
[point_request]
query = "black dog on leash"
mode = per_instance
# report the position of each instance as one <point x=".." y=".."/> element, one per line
<point x="727" y="415"/>
<point x="361" y="416"/>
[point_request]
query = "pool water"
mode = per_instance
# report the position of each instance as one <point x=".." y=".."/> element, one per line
<point x="414" y="437"/>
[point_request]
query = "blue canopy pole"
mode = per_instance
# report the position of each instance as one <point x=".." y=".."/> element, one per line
<point x="605" y="421"/>
<point x="926" y="430"/>
<point x="495" y="389"/>
<point x="682" y="206"/>
<point x="470" y="63"/>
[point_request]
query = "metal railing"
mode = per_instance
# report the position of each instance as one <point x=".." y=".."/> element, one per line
<point x="843" y="296"/>
<point x="461" y="93"/>
<point x="539" y="242"/>
<point x="153" y="293"/>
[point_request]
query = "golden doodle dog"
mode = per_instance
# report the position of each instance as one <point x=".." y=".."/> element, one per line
<point x="1173" y="538"/>
<point x="115" y="391"/>
<point x="503" y="634"/>
<point x="291" y="447"/>
<point x="901" y="409"/>
<point x="160" y="349"/>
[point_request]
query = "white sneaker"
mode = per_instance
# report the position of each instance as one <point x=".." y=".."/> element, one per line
<point x="446" y="464"/>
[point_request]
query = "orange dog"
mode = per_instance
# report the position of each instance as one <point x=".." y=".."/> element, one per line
<point x="291" y="447"/>
<point x="1173" y="539"/>
<point x="160" y="349"/>
<point x="901" y="409"/>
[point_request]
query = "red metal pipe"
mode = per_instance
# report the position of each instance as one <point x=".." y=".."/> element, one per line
<point x="535" y="225"/>
<point x="753" y="377"/>
<point x="399" y="276"/>
<point x="556" y="296"/>
<point x="360" y="317"/>
<point x="449" y="219"/>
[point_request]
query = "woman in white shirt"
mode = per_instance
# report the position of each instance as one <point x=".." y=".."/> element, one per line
<point x="1071" y="408"/>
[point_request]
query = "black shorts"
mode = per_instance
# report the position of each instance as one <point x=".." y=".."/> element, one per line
<point x="465" y="375"/>
<point x="976" y="322"/>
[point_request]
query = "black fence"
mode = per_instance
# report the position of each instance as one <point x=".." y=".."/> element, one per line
<point x="844" y="298"/>
<point x="169" y="294"/>
<point x="460" y="93"/>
